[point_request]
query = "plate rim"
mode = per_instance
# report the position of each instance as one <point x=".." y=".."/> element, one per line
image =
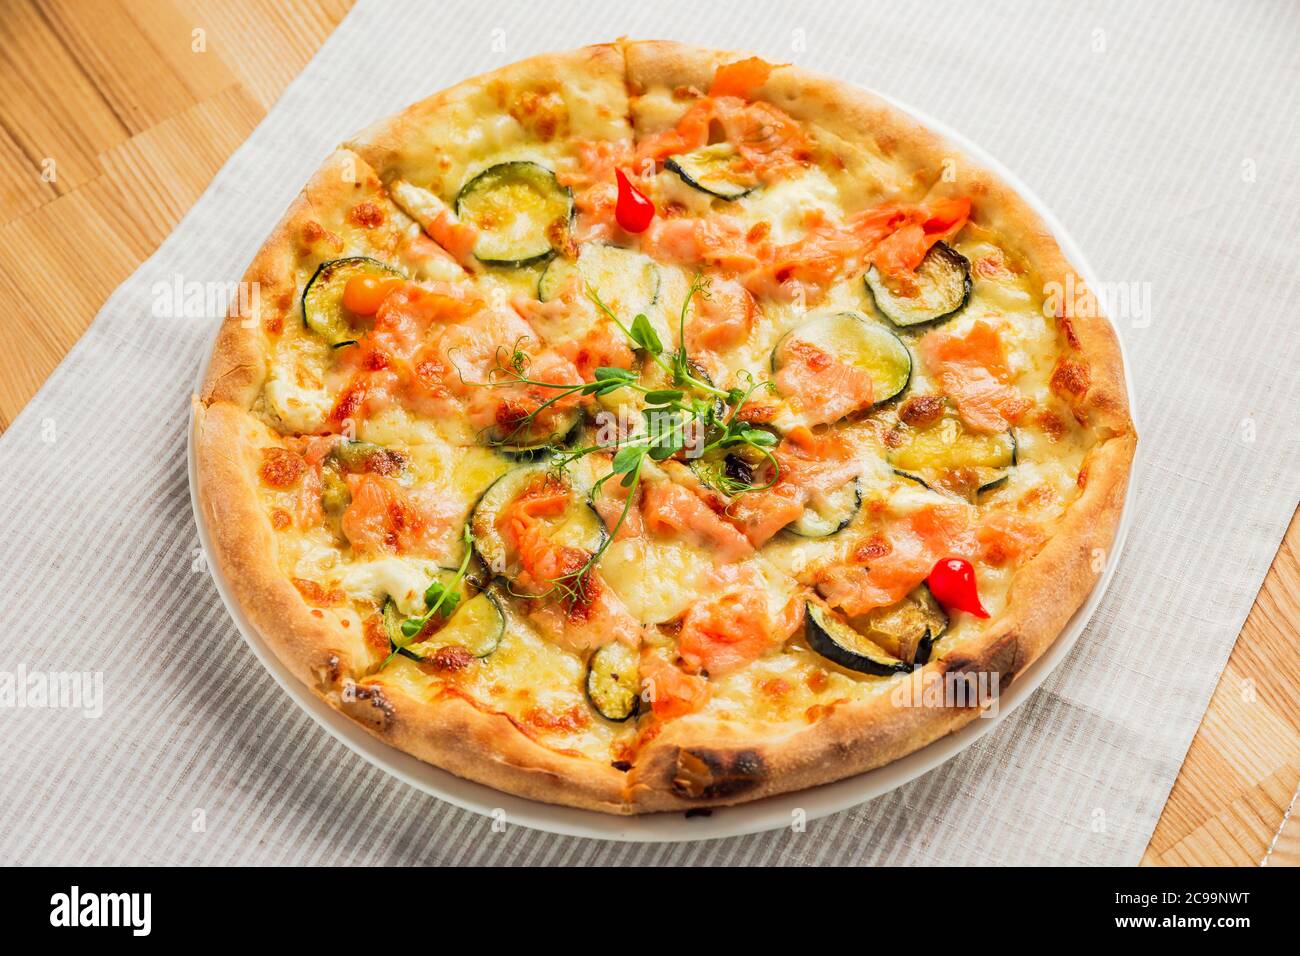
<point x="770" y="813"/>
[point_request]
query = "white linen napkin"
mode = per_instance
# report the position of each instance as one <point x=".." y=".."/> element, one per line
<point x="1160" y="135"/>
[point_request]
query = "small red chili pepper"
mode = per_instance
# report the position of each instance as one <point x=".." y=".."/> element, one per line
<point x="952" y="582"/>
<point x="633" y="211"/>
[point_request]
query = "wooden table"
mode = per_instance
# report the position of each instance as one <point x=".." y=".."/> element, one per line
<point x="113" y="121"/>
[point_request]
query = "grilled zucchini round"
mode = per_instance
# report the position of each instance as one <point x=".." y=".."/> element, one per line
<point x="830" y="513"/>
<point x="579" y="526"/>
<point x="718" y="170"/>
<point x="626" y="281"/>
<point x="614" y="681"/>
<point x="949" y="457"/>
<point x="852" y="339"/>
<point x="322" y="300"/>
<point x="834" y="640"/>
<point x="938" y="289"/>
<point x="478" y="626"/>
<point x="520" y="211"/>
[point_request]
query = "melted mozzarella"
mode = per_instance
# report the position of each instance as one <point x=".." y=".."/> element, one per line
<point x="402" y="579"/>
<point x="784" y="205"/>
<point x="299" y="408"/>
<point x="657" y="580"/>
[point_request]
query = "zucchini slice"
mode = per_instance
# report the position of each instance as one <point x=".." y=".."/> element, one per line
<point x="938" y="289"/>
<point x="627" y="281"/>
<point x="468" y="586"/>
<point x="355" y="457"/>
<point x="335" y="495"/>
<point x="830" y="513"/>
<point x="724" y="474"/>
<point x="577" y="526"/>
<point x="322" y="300"/>
<point x="851" y="338"/>
<point x="718" y="170"/>
<point x="519" y="210"/>
<point x="478" y="626"/>
<point x="949" y="457"/>
<point x="908" y="629"/>
<point x="614" y="681"/>
<point x="532" y="441"/>
<point x="834" y="640"/>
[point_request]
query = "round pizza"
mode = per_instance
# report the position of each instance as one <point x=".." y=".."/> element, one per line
<point x="648" y="428"/>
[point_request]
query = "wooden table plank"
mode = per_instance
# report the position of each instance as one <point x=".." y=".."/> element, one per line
<point x="137" y="121"/>
<point x="51" y="109"/>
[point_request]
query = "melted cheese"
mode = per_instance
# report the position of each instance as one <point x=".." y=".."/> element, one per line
<point x="784" y="205"/>
<point x="298" y="408"/>
<point x="403" y="580"/>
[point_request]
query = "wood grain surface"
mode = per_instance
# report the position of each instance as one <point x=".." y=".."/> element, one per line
<point x="111" y="126"/>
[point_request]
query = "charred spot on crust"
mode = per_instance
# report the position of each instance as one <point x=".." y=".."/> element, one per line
<point x="368" y="703"/>
<point x="1000" y="659"/>
<point x="705" y="774"/>
<point x="329" y="672"/>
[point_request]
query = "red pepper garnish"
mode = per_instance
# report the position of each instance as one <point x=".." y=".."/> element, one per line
<point x="952" y="582"/>
<point x="633" y="211"/>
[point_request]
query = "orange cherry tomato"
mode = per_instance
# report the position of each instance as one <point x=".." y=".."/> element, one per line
<point x="364" y="294"/>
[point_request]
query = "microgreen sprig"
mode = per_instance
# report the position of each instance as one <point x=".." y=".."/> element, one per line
<point x="440" y="599"/>
<point x="691" y="403"/>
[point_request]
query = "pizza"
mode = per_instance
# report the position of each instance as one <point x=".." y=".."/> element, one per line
<point x="647" y="428"/>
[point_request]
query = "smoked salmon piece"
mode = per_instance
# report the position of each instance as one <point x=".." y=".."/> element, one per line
<point x="972" y="369"/>
<point x="1007" y="538"/>
<point x="671" y="509"/>
<point x="899" y="560"/>
<point x="809" y="464"/>
<point x="825" y="388"/>
<point x="578" y="614"/>
<point x="722" y="318"/>
<point x="385" y="517"/>
<point x="737" y="625"/>
<point x="672" y="692"/>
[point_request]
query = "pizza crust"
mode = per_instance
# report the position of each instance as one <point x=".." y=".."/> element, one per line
<point x="690" y="763"/>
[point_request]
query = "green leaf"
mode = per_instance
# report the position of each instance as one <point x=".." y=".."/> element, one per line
<point x="760" y="437"/>
<point x="663" y="396"/>
<point x="411" y="627"/>
<point x="627" y="458"/>
<point x="644" y="335"/>
<point x="608" y="373"/>
<point x="665" y="451"/>
<point x="449" y="604"/>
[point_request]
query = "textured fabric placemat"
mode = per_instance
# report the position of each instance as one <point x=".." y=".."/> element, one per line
<point x="1161" y="135"/>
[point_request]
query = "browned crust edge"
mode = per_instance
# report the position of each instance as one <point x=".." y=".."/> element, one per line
<point x="687" y="765"/>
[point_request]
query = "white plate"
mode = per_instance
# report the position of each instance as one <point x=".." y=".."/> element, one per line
<point x="767" y="814"/>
